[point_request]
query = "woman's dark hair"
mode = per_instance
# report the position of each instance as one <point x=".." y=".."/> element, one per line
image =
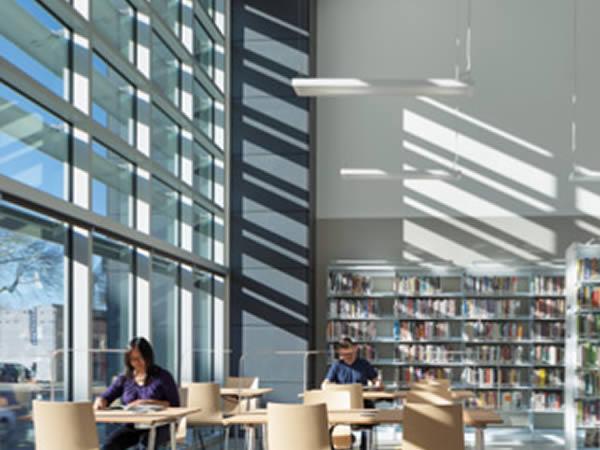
<point x="143" y="346"/>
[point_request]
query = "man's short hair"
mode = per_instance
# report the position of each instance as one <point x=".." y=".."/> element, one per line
<point x="346" y="343"/>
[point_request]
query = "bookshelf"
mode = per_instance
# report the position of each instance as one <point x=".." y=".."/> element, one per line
<point x="582" y="413"/>
<point x="498" y="331"/>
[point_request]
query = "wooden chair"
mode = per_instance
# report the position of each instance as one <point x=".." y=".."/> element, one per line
<point x="356" y="393"/>
<point x="341" y="436"/>
<point x="297" y="427"/>
<point x="64" y="426"/>
<point x="430" y="396"/>
<point x="233" y="405"/>
<point x="433" y="427"/>
<point x="206" y="396"/>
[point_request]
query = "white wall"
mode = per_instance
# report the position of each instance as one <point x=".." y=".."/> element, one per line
<point x="513" y="134"/>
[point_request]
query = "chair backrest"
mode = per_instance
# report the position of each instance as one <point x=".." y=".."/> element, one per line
<point x="230" y="405"/>
<point x="433" y="427"/>
<point x="356" y="393"/>
<point x="297" y="427"/>
<point x="334" y="399"/>
<point x="433" y="396"/>
<point x="64" y="426"/>
<point x="206" y="396"/>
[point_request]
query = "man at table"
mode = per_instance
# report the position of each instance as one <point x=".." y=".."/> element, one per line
<point x="350" y="368"/>
<point x="143" y="383"/>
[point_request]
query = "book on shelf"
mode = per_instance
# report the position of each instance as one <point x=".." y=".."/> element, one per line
<point x="549" y="354"/>
<point x="541" y="401"/>
<point x="495" y="330"/>
<point x="588" y="355"/>
<point x="589" y="325"/>
<point x="429" y="307"/>
<point x="549" y="330"/>
<point x="490" y="376"/>
<point x="588" y="269"/>
<point x="492" y="308"/>
<point x="491" y="285"/>
<point x="413" y="285"/>
<point x="426" y="353"/>
<point x="354" y="308"/>
<point x="549" y="308"/>
<point x="407" y="375"/>
<point x="361" y="331"/>
<point x="548" y="285"/>
<point x="588" y="297"/>
<point x="589" y="384"/>
<point x="414" y="331"/>
<point x="349" y="283"/>
<point x="588" y="412"/>
<point x="548" y="377"/>
<point x="506" y="400"/>
<point x="497" y="354"/>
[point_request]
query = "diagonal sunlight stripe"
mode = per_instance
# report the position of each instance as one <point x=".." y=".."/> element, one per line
<point x="502" y="219"/>
<point x="469" y="229"/>
<point x="301" y="203"/>
<point x="480" y="178"/>
<point x="481" y="154"/>
<point x="586" y="226"/>
<point x="274" y="247"/>
<point x="587" y="202"/>
<point x="438" y="245"/>
<point x="268" y="73"/>
<point x="274" y="305"/>
<point x="497" y="131"/>
<point x="410" y="256"/>
<point x="302" y="146"/>
<point x="276" y="20"/>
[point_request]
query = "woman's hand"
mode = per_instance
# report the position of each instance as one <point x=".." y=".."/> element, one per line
<point x="100" y="403"/>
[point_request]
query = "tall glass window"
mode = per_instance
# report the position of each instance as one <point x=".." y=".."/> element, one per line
<point x="165" y="141"/>
<point x="33" y="276"/>
<point x="112" y="185"/>
<point x="169" y="11"/>
<point x="34" y="144"/>
<point x="164" y="222"/>
<point x="203" y="232"/>
<point x="113" y="100"/>
<point x="164" y="69"/>
<point x="203" y="322"/>
<point x="204" y="49"/>
<point x="37" y="43"/>
<point x="209" y="6"/>
<point x="203" y="109"/>
<point x="115" y="20"/>
<point x="165" y="298"/>
<point x="112" y="269"/>
<point x="203" y="171"/>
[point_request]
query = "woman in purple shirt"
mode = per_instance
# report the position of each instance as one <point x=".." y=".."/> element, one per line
<point x="143" y="383"/>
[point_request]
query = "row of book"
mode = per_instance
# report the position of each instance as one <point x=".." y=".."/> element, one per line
<point x="588" y="269"/>
<point x="418" y="285"/>
<point x="588" y="412"/>
<point x="548" y="330"/>
<point x="349" y="283"/>
<point x="426" y="353"/>
<point x="589" y="355"/>
<point x="548" y="285"/>
<point x="589" y="384"/>
<point x="506" y="400"/>
<point x="414" y="331"/>
<point x="549" y="354"/>
<point x="441" y="307"/>
<point x="491" y="285"/>
<point x="546" y="401"/>
<point x="355" y="309"/>
<point x="549" y="308"/>
<point x="488" y="376"/>
<point x="491" y="308"/>
<point x="407" y="375"/>
<point x="548" y="377"/>
<point x="589" y="325"/>
<point x="362" y="331"/>
<point x="495" y="330"/>
<point x="588" y="297"/>
<point x="500" y="354"/>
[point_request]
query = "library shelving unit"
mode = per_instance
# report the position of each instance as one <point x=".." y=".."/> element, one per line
<point x="582" y="358"/>
<point x="495" y="330"/>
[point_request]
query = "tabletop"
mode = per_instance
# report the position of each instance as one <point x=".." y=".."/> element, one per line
<point x="244" y="392"/>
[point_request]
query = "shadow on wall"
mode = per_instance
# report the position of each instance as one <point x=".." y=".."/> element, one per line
<point x="270" y="202"/>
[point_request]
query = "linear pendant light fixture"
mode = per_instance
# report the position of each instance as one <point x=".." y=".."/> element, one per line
<point x="412" y="174"/>
<point x="348" y="86"/>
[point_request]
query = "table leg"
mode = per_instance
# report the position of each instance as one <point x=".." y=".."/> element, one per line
<point x="251" y="437"/>
<point x="152" y="438"/>
<point x="173" y="435"/>
<point x="479" y="438"/>
<point x="265" y="437"/>
<point x="369" y="438"/>
<point x="226" y="438"/>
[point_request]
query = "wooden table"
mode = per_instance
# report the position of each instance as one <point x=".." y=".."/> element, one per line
<point x="456" y="395"/>
<point x="477" y="418"/>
